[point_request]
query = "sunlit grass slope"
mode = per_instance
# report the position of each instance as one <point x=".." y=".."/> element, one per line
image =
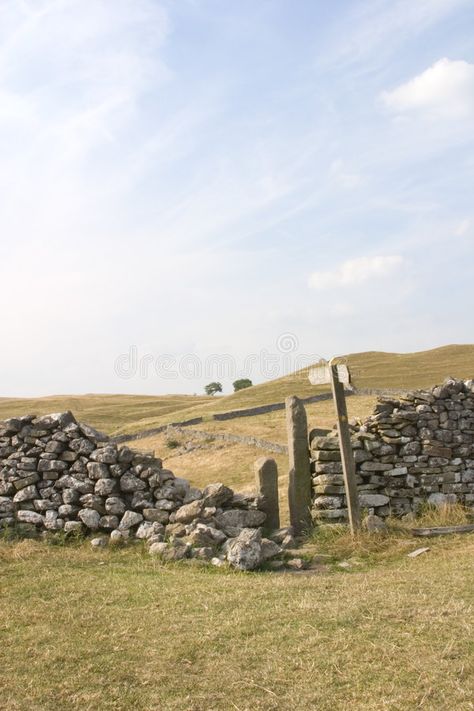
<point x="105" y="412"/>
<point x="411" y="370"/>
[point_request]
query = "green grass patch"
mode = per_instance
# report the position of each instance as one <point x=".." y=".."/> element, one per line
<point x="115" y="629"/>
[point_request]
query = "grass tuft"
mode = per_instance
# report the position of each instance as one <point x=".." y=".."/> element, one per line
<point x="171" y="443"/>
<point x="336" y="540"/>
<point x="445" y="515"/>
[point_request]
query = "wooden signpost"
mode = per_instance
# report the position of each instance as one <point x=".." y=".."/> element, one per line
<point x="337" y="375"/>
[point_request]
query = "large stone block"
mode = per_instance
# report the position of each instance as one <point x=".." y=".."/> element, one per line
<point x="266" y="481"/>
<point x="373" y="500"/>
<point x="299" y="489"/>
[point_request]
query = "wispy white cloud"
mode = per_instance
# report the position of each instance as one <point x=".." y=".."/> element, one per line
<point x="356" y="271"/>
<point x="73" y="74"/>
<point x="344" y="176"/>
<point x="377" y="27"/>
<point x="463" y="227"/>
<point x="446" y="89"/>
<point x="152" y="158"/>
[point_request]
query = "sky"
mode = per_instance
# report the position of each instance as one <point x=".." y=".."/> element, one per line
<point x="197" y="190"/>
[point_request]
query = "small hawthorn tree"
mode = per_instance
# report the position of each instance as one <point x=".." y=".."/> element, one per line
<point x="242" y="384"/>
<point x="213" y="388"/>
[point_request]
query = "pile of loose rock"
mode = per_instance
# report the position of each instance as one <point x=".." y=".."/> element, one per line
<point x="413" y="449"/>
<point x="57" y="474"/>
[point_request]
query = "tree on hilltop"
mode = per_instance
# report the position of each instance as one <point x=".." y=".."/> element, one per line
<point x="213" y="388"/>
<point x="242" y="384"/>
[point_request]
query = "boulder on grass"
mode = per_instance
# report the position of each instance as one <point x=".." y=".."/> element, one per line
<point x="245" y="551"/>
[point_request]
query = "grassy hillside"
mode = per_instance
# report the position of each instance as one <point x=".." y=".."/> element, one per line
<point x="411" y="370"/>
<point x="105" y="412"/>
<point x="129" y="413"/>
<point x="369" y="370"/>
<point x="272" y="425"/>
<point x="233" y="463"/>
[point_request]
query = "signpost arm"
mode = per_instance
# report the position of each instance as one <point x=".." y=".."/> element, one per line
<point x="347" y="456"/>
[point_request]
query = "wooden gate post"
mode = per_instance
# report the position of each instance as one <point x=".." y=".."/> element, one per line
<point x="266" y="481"/>
<point x="347" y="455"/>
<point x="299" y="488"/>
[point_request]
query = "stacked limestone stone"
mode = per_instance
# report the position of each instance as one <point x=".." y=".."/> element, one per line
<point x="58" y="474"/>
<point x="413" y="449"/>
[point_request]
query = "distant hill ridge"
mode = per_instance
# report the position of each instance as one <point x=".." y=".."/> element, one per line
<point x="118" y="414"/>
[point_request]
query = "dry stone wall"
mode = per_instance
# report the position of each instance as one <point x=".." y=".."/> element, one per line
<point x="414" y="448"/>
<point x="231" y="415"/>
<point x="57" y="474"/>
<point x="227" y="437"/>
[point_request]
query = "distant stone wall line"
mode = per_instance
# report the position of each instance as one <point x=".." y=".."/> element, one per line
<point x="227" y="437"/>
<point x="381" y="392"/>
<point x="130" y="437"/>
<point x="248" y="412"/>
<point x="273" y="407"/>
<point x="219" y="416"/>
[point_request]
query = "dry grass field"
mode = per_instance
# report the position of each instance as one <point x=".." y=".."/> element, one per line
<point x="105" y="412"/>
<point x="116" y="630"/>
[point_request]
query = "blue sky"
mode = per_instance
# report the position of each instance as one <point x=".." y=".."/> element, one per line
<point x="201" y="181"/>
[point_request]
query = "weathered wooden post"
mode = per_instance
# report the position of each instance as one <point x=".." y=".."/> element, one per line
<point x="299" y="487"/>
<point x="337" y="375"/>
<point x="266" y="481"/>
<point x="347" y="455"/>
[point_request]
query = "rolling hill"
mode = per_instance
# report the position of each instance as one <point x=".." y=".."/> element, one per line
<point x="116" y="414"/>
<point x="105" y="412"/>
